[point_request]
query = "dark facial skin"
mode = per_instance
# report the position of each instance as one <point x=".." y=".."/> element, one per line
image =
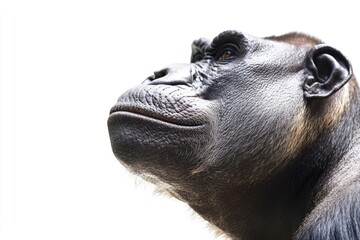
<point x="258" y="135"/>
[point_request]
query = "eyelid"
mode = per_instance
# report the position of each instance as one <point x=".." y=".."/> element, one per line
<point x="229" y="36"/>
<point x="227" y="47"/>
<point x="232" y="37"/>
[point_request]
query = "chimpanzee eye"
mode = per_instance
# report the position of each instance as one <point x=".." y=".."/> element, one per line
<point x="226" y="55"/>
<point x="228" y="52"/>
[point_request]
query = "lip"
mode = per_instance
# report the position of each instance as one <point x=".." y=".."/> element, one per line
<point x="146" y="114"/>
<point x="162" y="121"/>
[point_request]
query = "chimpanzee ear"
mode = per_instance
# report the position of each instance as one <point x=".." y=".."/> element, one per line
<point x="198" y="48"/>
<point x="329" y="71"/>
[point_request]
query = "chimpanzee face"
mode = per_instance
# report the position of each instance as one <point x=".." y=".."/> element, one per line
<point x="238" y="109"/>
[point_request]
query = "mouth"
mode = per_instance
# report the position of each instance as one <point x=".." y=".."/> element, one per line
<point x="152" y="115"/>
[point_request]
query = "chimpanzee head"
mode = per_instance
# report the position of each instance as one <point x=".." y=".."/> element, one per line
<point x="240" y="113"/>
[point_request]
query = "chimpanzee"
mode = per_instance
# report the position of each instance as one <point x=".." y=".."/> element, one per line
<point x="260" y="136"/>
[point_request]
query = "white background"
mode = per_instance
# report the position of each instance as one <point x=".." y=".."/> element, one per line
<point x="62" y="66"/>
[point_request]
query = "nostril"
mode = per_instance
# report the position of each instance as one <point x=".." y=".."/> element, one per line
<point x="157" y="75"/>
<point x="161" y="73"/>
<point x="179" y="74"/>
<point x="150" y="78"/>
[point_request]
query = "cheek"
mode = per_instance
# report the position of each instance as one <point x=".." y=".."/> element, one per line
<point x="256" y="119"/>
<point x="263" y="100"/>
